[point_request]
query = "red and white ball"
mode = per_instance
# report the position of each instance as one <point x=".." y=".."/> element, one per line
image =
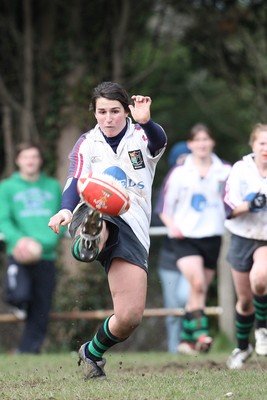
<point x="104" y="193"/>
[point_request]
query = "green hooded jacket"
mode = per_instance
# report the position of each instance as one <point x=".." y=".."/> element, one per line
<point x="25" y="210"/>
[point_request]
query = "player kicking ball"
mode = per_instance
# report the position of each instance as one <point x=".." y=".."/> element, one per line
<point x="129" y="152"/>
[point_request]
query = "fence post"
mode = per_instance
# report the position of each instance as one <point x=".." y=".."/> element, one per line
<point x="226" y="294"/>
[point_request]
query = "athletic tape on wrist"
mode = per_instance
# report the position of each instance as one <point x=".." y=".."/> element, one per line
<point x="66" y="214"/>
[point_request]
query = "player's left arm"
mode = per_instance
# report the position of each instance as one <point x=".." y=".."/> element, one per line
<point x="156" y="136"/>
<point x="234" y="203"/>
<point x="140" y="111"/>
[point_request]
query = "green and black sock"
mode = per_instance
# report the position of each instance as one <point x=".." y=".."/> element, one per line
<point x="244" y="324"/>
<point x="194" y="324"/>
<point x="102" y="341"/>
<point x="75" y="247"/>
<point x="187" y="332"/>
<point x="260" y="304"/>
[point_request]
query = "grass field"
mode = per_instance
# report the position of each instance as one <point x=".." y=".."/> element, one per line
<point x="132" y="376"/>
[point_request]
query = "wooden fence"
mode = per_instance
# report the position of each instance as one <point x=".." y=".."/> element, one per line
<point x="103" y="314"/>
<point x="224" y="311"/>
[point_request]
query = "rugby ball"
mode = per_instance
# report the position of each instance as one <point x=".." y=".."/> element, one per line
<point x="104" y="193"/>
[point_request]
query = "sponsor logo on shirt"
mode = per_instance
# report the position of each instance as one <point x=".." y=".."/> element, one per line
<point x="199" y="203"/>
<point x="119" y="174"/>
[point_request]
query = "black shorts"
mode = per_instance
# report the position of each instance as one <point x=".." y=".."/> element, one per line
<point x="121" y="243"/>
<point x="166" y="257"/>
<point x="241" y="250"/>
<point x="208" y="248"/>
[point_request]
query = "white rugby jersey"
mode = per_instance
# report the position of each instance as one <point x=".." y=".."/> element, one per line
<point x="132" y="164"/>
<point x="195" y="203"/>
<point x="242" y="185"/>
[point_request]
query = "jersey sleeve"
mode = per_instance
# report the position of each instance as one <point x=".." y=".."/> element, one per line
<point x="10" y="231"/>
<point x="233" y="196"/>
<point x="79" y="158"/>
<point x="156" y="136"/>
<point x="160" y="198"/>
<point x="169" y="194"/>
<point x="79" y="164"/>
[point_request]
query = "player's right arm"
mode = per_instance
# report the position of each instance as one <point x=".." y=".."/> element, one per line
<point x="235" y="205"/>
<point x="70" y="195"/>
<point x="166" y="204"/>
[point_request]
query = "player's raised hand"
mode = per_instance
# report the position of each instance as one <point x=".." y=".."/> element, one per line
<point x="141" y="109"/>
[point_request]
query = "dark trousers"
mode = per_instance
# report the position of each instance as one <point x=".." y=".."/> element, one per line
<point x="31" y="287"/>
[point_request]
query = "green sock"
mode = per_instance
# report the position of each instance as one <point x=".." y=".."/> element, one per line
<point x="200" y="324"/>
<point x="194" y="324"/>
<point x="260" y="304"/>
<point x="244" y="324"/>
<point x="186" y="333"/>
<point x="102" y="341"/>
<point x="75" y="247"/>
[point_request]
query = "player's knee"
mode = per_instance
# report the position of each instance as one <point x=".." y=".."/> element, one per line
<point x="258" y="285"/>
<point x="246" y="305"/>
<point x="131" y="319"/>
<point x="199" y="286"/>
<point x="259" y="289"/>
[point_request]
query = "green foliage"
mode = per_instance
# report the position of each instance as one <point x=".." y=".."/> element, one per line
<point x="214" y="72"/>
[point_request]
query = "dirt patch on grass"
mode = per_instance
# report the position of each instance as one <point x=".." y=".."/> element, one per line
<point x="191" y="365"/>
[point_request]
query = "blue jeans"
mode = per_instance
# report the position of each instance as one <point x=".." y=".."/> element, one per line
<point x="31" y="286"/>
<point x="175" y="290"/>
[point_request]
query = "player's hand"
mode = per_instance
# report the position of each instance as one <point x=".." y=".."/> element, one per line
<point x="27" y="250"/>
<point x="141" y="109"/>
<point x="175" y="233"/>
<point x="258" y="202"/>
<point x="63" y="217"/>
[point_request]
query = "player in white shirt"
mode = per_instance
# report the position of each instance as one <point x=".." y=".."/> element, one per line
<point x="175" y="288"/>
<point x="194" y="214"/>
<point x="132" y="164"/>
<point x="128" y="152"/>
<point x="245" y="197"/>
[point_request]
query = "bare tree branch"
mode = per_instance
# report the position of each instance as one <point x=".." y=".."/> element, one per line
<point x="8" y="142"/>
<point x="26" y="116"/>
<point x="119" y="35"/>
<point x="7" y="98"/>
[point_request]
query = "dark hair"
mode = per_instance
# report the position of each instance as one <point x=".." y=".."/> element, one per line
<point x="197" y="128"/>
<point x="110" y="91"/>
<point x="26" y="146"/>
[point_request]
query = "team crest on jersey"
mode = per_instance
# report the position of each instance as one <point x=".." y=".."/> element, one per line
<point x="136" y="158"/>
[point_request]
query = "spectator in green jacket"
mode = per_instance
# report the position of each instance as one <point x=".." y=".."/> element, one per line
<point x="28" y="199"/>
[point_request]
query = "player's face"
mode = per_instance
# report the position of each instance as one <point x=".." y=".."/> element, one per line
<point x="202" y="145"/>
<point x="29" y="162"/>
<point x="111" y="116"/>
<point x="259" y="147"/>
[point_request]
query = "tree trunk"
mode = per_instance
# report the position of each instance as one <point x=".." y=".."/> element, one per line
<point x="27" y="115"/>
<point x="46" y="43"/>
<point x="8" y="142"/>
<point x="119" y="35"/>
